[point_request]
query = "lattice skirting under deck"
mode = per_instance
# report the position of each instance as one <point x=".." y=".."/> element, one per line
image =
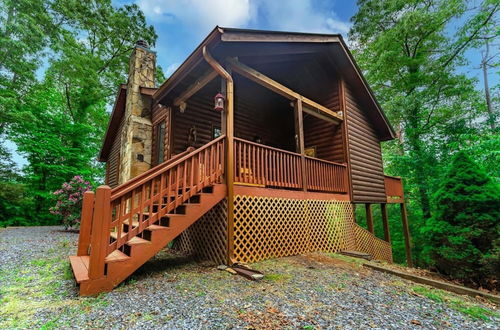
<point x="207" y="237"/>
<point x="270" y="227"/>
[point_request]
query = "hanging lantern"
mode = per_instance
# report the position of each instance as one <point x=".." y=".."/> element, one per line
<point x="219" y="102"/>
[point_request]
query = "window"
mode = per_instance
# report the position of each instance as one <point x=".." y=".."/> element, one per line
<point x="160" y="142"/>
<point x="216" y="132"/>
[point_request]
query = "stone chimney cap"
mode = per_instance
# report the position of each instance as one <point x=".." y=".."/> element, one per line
<point x="142" y="43"/>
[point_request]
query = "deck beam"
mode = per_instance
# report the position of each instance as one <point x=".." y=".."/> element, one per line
<point x="201" y="82"/>
<point x="265" y="81"/>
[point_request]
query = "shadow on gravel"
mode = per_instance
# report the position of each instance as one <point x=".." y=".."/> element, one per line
<point x="163" y="263"/>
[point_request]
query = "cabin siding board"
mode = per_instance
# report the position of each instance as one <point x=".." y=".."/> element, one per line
<point x="113" y="162"/>
<point x="199" y="114"/>
<point x="367" y="174"/>
<point x="268" y="117"/>
<point x="325" y="136"/>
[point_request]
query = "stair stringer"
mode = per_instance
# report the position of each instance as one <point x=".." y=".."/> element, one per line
<point x="118" y="271"/>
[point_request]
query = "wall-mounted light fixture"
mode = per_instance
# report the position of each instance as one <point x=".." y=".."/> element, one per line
<point x="219" y="102"/>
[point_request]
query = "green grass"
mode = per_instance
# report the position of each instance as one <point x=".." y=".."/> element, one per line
<point x="455" y="302"/>
<point x="41" y="285"/>
<point x="280" y="278"/>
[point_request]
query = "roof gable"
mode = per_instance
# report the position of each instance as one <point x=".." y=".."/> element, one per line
<point x="224" y="42"/>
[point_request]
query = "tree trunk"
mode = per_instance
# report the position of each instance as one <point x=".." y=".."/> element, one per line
<point x="484" y="64"/>
<point x="418" y="154"/>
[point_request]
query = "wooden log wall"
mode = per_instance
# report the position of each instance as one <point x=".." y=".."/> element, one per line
<point x="365" y="154"/>
<point x="268" y="116"/>
<point x="325" y="137"/>
<point x="113" y="162"/>
<point x="199" y="113"/>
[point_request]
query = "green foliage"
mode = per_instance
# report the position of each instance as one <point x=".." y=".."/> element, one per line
<point x="82" y="49"/>
<point x="463" y="234"/>
<point x="69" y="201"/>
<point x="410" y="53"/>
<point x="456" y="302"/>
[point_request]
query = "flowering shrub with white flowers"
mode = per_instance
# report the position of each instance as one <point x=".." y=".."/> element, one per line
<point x="69" y="201"/>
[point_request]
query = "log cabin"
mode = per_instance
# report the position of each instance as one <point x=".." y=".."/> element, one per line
<point x="260" y="145"/>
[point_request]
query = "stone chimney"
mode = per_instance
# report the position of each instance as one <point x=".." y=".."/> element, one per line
<point x="136" y="135"/>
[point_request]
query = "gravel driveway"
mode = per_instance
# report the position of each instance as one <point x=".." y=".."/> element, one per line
<point x="172" y="291"/>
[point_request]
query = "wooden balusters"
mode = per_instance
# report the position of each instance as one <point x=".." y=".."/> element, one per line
<point x="143" y="201"/>
<point x="325" y="176"/>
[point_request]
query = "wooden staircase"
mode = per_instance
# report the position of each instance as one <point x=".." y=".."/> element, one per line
<point x="122" y="228"/>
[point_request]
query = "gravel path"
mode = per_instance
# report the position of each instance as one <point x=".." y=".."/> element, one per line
<point x="172" y="291"/>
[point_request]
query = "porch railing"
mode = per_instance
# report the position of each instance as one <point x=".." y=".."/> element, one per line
<point x="393" y="188"/>
<point x="260" y="165"/>
<point x="141" y="202"/>
<point x="326" y="176"/>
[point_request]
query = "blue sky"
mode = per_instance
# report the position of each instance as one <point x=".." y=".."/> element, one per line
<point x="182" y="24"/>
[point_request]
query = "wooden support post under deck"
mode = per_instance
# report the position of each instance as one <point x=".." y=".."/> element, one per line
<point x="299" y="133"/>
<point x="369" y="217"/>
<point x="85" y="224"/>
<point x="406" y="232"/>
<point x="100" y="231"/>
<point x="385" y="222"/>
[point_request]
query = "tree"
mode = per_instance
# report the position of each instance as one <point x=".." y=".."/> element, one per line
<point x="410" y="52"/>
<point x="82" y="49"/>
<point x="463" y="234"/>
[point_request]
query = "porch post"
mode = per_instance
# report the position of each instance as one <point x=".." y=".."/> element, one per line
<point x="369" y="217"/>
<point x="99" y="238"/>
<point x="406" y="232"/>
<point x="299" y="135"/>
<point x="385" y="222"/>
<point x="223" y="114"/>
<point x="85" y="224"/>
<point x="230" y="165"/>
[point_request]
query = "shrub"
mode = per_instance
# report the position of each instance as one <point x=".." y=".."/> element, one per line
<point x="463" y="232"/>
<point x="69" y="201"/>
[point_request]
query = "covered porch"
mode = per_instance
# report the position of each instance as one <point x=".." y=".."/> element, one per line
<point x="278" y="137"/>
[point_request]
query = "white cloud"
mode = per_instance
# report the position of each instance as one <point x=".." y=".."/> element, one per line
<point x="198" y="14"/>
<point x="300" y="16"/>
<point x="203" y="15"/>
<point x="338" y="26"/>
<point x="171" y="68"/>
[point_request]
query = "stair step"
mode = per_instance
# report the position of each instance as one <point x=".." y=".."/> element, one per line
<point x="137" y="250"/>
<point x="116" y="256"/>
<point x="114" y="234"/>
<point x="137" y="241"/>
<point x="156" y="227"/>
<point x="80" y="265"/>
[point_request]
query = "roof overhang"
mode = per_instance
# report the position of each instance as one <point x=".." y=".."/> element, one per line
<point x="302" y="42"/>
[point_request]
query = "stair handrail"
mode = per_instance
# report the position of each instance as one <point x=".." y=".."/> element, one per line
<point x="136" y="183"/>
<point x="116" y="189"/>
